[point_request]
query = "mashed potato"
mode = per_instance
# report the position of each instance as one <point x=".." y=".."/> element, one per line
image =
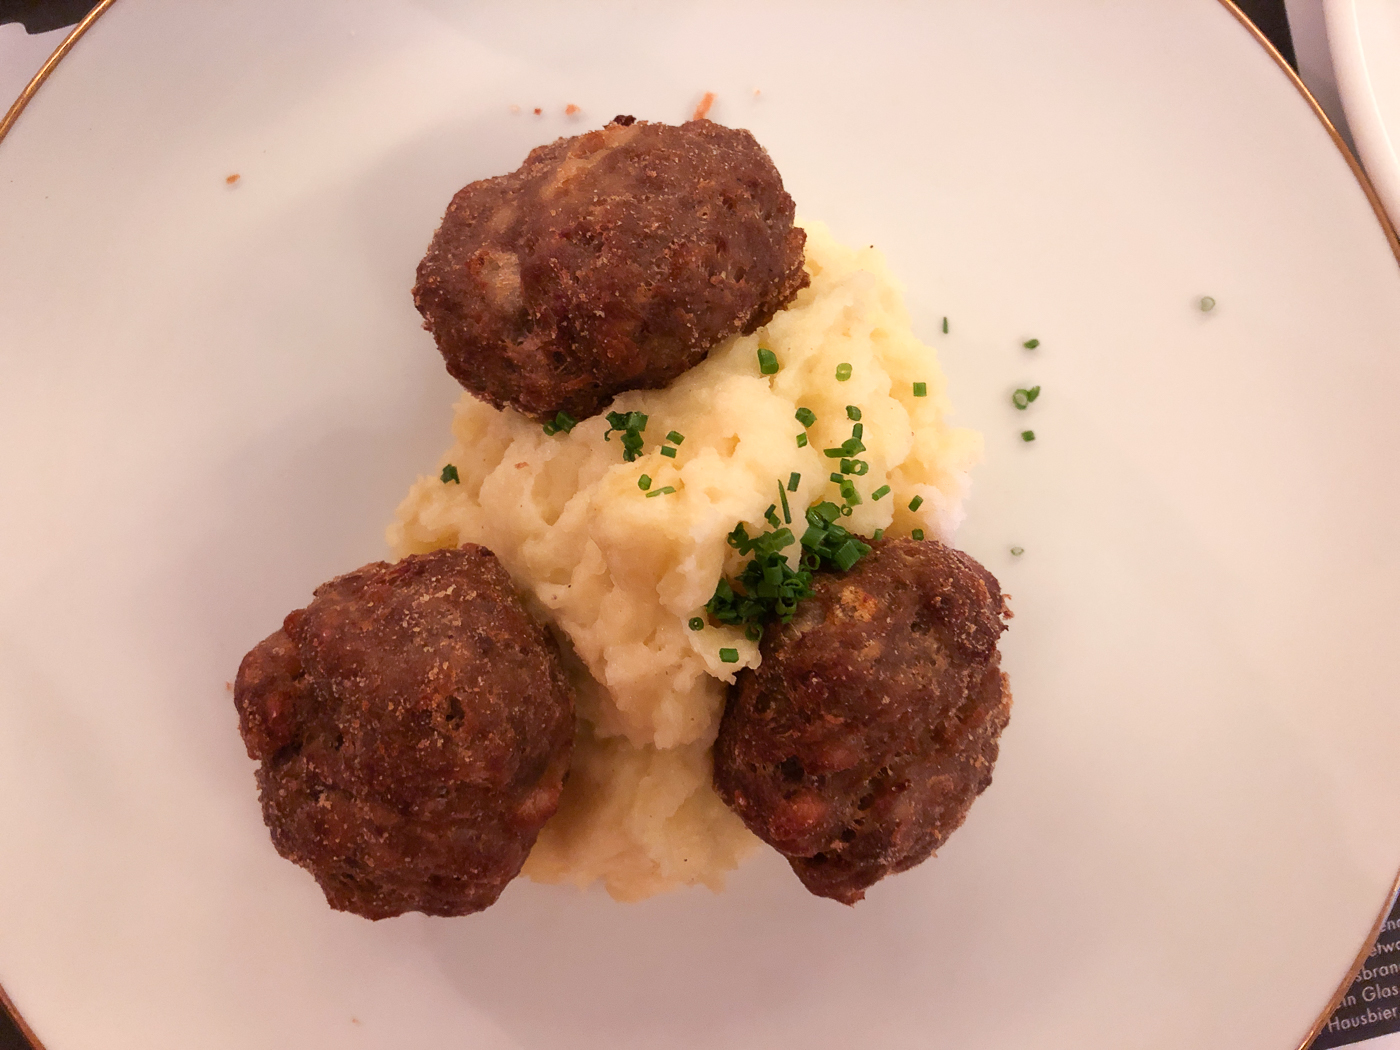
<point x="620" y="574"/>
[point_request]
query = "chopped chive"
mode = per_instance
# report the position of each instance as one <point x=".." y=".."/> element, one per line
<point x="782" y="498"/>
<point x="879" y="534"/>
<point x="916" y="503"/>
<point x="847" y="510"/>
<point x="1022" y="398"/>
<point x="806" y="416"/>
<point x="945" y="326"/>
<point x="833" y="453"/>
<point x="753" y="632"/>
<point x="675" y="437"/>
<point x="849" y="493"/>
<point x="1207" y="304"/>
<point x="1028" y="435"/>
<point x="770" y="515"/>
<point x="668" y="452"/>
<point x="565" y="422"/>
<point x="697" y="623"/>
<point x="851" y="446"/>
<point x="880" y="493"/>
<point x="449" y="473"/>
<point x="918" y="534"/>
<point x="550" y="429"/>
<point x="921" y="390"/>
<point x="644" y="482"/>
<point x="858" y="431"/>
<point x="630" y="425"/>
<point x="853" y="413"/>
<point x="1017" y="551"/>
<point x="794" y="479"/>
<point x="1031" y="344"/>
<point x="802" y="440"/>
<point x="843" y="372"/>
<point x="729" y="656"/>
<point x="848" y="554"/>
<point x="767" y="361"/>
<point x="858" y="467"/>
<point x="837" y="478"/>
<point x="661" y="491"/>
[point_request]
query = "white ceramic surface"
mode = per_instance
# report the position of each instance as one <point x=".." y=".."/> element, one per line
<point x="211" y="398"/>
<point x="1364" y="36"/>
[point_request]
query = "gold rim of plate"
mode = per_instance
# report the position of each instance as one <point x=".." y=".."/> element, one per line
<point x="1387" y="227"/>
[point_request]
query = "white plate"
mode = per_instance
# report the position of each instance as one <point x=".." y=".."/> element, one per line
<point x="1364" y="38"/>
<point x="213" y="397"/>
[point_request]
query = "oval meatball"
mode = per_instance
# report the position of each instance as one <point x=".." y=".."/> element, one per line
<point x="414" y="726"/>
<point x="871" y="725"/>
<point x="609" y="261"/>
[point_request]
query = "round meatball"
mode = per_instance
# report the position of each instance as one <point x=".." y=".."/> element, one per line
<point x="609" y="261"/>
<point x="414" y="726"/>
<point x="857" y="746"/>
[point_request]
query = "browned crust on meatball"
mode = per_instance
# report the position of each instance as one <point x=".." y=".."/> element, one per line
<point x="858" y="745"/>
<point x="609" y="261"/>
<point x="414" y="726"/>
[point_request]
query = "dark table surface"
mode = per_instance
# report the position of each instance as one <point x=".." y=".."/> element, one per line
<point x="40" y="16"/>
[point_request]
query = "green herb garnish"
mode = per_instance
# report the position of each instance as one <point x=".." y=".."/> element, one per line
<point x="879" y="534"/>
<point x="668" y="452"/>
<point x="921" y="390"/>
<point x="1207" y="304"/>
<point x="767" y="361"/>
<point x="794" y="479"/>
<point x="880" y="493"/>
<point x="768" y="588"/>
<point x="1031" y="344"/>
<point x="782" y="498"/>
<point x="843" y="372"/>
<point x="644" y="482"/>
<point x="945" y="326"/>
<point x="1018" y="551"/>
<point x="853" y="413"/>
<point x="666" y="491"/>
<point x="562" y="421"/>
<point x="916" y="503"/>
<point x="858" y="467"/>
<point x="1028" y="435"/>
<point x="729" y="656"/>
<point x="675" y="437"/>
<point x="449" y="473"/>
<point x="1023" y="397"/>
<point x="802" y="440"/>
<point x="806" y="416"/>
<point x="697" y="623"/>
<point x="918" y="534"/>
<point x="630" y="425"/>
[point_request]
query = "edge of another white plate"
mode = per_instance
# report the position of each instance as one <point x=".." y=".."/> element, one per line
<point x="1354" y="56"/>
<point x="1340" y="12"/>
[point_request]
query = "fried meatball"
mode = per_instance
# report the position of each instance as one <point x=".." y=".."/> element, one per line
<point x="413" y="725"/>
<point x="857" y="746"/>
<point x="609" y="261"/>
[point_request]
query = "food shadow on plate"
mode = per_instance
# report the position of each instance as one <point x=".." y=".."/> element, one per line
<point x="656" y="973"/>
